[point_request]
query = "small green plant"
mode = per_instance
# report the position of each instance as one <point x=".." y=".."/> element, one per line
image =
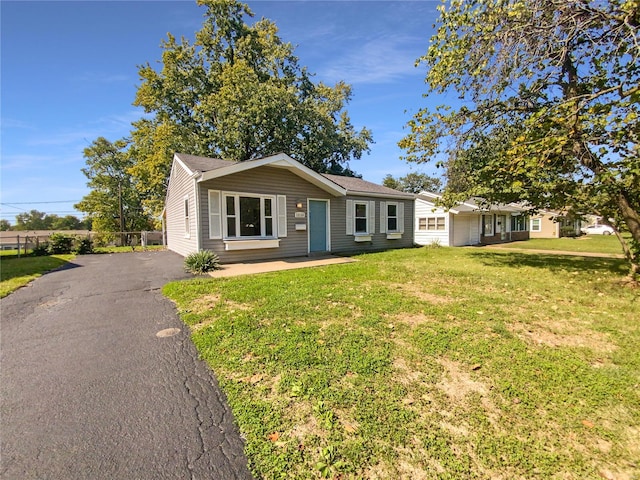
<point x="41" y="249"/>
<point x="60" y="243"/>
<point x="435" y="243"/>
<point x="329" y="465"/>
<point x="201" y="262"/>
<point x="83" y="246"/>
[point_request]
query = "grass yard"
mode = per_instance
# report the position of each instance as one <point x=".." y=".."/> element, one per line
<point x="16" y="272"/>
<point x="431" y="363"/>
<point x="608" y="244"/>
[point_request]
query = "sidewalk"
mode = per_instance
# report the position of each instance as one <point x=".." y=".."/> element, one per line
<point x="555" y="252"/>
<point x="262" y="266"/>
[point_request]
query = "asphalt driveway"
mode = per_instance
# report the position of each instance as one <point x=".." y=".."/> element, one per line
<point x="89" y="388"/>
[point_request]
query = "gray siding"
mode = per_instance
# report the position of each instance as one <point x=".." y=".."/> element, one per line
<point x="343" y="243"/>
<point x="267" y="181"/>
<point x="180" y="185"/>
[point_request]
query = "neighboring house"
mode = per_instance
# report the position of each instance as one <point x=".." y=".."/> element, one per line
<point x="468" y="223"/>
<point x="551" y="224"/>
<point x="275" y="207"/>
<point x="10" y="239"/>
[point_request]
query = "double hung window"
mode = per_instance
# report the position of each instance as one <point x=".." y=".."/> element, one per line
<point x="392" y="218"/>
<point x="361" y="217"/>
<point x="248" y="216"/>
<point x="536" y="224"/>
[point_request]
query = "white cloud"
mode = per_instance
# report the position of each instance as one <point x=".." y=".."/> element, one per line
<point x="14" y="123"/>
<point x="112" y="127"/>
<point x="379" y="60"/>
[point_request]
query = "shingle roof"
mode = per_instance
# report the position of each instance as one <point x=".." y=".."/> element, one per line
<point x="203" y="164"/>
<point x="357" y="185"/>
<point x="474" y="204"/>
<point x="351" y="184"/>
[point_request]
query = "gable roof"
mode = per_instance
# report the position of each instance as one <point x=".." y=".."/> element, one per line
<point x="204" y="168"/>
<point x="472" y="204"/>
<point x="201" y="164"/>
<point x="357" y="186"/>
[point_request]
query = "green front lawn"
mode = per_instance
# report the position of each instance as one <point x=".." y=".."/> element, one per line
<point x="428" y="363"/>
<point x="16" y="272"/>
<point x="608" y="244"/>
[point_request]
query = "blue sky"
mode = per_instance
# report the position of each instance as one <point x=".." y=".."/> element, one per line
<point x="69" y="75"/>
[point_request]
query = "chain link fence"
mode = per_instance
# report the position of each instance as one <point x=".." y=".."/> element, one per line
<point x="24" y="242"/>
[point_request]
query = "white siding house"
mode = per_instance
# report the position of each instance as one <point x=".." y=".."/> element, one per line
<point x="468" y="223"/>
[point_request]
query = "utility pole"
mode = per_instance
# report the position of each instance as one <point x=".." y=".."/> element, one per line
<point x="121" y="213"/>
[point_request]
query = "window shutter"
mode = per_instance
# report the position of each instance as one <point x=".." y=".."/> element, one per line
<point x="215" y="225"/>
<point x="401" y="217"/>
<point x="350" y="215"/>
<point x="372" y="217"/>
<point x="282" y="216"/>
<point x="383" y="217"/>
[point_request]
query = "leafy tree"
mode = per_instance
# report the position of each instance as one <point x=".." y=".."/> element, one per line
<point x="113" y="204"/>
<point x="413" y="183"/>
<point x="238" y="93"/>
<point x="549" y="107"/>
<point x="33" y="220"/>
<point x="5" y="225"/>
<point x="68" y="222"/>
<point x="390" y="181"/>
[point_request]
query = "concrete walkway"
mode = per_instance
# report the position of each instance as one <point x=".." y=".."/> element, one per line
<point x="234" y="269"/>
<point x="555" y="252"/>
<point x="100" y="379"/>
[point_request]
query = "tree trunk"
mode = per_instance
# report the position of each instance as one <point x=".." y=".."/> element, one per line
<point x="632" y="219"/>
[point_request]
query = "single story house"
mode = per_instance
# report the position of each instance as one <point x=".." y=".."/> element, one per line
<point x="275" y="207"/>
<point x="469" y="223"/>
<point x="551" y="224"/>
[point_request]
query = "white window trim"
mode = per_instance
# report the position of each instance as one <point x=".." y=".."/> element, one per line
<point x="370" y="209"/>
<point x="492" y="232"/>
<point x="366" y="217"/>
<point x="236" y="196"/>
<point x="218" y="220"/>
<point x="517" y="218"/>
<point x="539" y="229"/>
<point x="187" y="216"/>
<point x="384" y="220"/>
<point x="254" y="244"/>
<point x="435" y="219"/>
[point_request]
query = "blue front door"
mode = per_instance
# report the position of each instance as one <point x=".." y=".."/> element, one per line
<point x="318" y="226"/>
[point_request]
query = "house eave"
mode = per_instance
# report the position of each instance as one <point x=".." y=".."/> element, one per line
<point x="280" y="160"/>
<point x="398" y="196"/>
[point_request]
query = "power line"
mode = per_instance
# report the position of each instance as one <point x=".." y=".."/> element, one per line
<point x="38" y="203"/>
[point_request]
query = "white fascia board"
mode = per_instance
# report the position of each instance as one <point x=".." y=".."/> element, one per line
<point x="408" y="196"/>
<point x="422" y="196"/>
<point x="431" y="195"/>
<point x="280" y="160"/>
